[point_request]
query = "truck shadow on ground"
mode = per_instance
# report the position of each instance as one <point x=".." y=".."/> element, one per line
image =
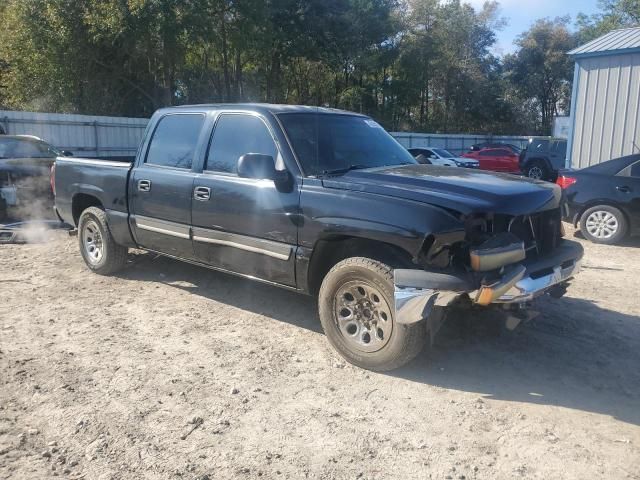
<point x="576" y="355"/>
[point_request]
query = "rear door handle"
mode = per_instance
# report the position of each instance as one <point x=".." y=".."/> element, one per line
<point x="144" y="185"/>
<point x="623" y="188"/>
<point x="202" y="193"/>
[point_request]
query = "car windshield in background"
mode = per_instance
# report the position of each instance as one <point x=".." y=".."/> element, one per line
<point x="336" y="143"/>
<point x="443" y="153"/>
<point x="26" y="148"/>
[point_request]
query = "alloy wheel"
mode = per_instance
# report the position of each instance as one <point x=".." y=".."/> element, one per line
<point x="536" y="173"/>
<point x="363" y="316"/>
<point x="602" y="224"/>
<point x="92" y="241"/>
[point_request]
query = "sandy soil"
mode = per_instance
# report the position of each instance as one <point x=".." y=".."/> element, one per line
<point x="173" y="371"/>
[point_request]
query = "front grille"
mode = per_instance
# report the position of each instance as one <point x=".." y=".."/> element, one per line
<point x="540" y="232"/>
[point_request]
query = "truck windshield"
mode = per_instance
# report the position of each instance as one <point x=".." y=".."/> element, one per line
<point x="337" y="143"/>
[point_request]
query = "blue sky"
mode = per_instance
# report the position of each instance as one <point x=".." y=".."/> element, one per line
<point x="520" y="14"/>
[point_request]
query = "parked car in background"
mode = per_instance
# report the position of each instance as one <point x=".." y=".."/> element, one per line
<point x="496" y="160"/>
<point x="604" y="200"/>
<point x="25" y="164"/>
<point x="325" y="203"/>
<point x="481" y="146"/>
<point x="543" y="158"/>
<point x="440" y="156"/>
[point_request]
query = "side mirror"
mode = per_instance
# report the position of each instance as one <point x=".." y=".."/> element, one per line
<point x="67" y="153"/>
<point x="259" y="166"/>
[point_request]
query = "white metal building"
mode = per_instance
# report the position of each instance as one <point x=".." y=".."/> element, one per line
<point x="605" y="104"/>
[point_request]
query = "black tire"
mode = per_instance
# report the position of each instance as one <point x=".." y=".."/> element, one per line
<point x="401" y="344"/>
<point x="589" y="220"/>
<point x="93" y="228"/>
<point x="3" y="210"/>
<point x="538" y="170"/>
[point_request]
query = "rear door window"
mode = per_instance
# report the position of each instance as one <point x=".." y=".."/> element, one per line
<point x="635" y="170"/>
<point x="175" y="140"/>
<point x="234" y="136"/>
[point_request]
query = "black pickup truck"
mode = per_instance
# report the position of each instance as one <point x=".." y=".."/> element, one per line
<point x="324" y="202"/>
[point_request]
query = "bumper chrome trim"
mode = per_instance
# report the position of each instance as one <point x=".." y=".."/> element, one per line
<point x="488" y="294"/>
<point x="529" y="288"/>
<point x="415" y="304"/>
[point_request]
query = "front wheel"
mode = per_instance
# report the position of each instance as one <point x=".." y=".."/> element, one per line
<point x="98" y="248"/>
<point x="356" y="306"/>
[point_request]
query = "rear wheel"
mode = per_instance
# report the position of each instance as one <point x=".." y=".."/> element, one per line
<point x="356" y="306"/>
<point x="603" y="224"/>
<point x="98" y="248"/>
<point x="538" y="170"/>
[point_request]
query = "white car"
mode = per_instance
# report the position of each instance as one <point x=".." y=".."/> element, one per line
<point x="440" y="156"/>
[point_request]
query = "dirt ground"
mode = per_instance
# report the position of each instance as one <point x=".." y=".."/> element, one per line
<point x="173" y="371"/>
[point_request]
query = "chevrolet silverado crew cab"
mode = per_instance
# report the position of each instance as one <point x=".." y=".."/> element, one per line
<point x="326" y="203"/>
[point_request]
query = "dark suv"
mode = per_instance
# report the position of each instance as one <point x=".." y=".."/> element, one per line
<point x="25" y="162"/>
<point x="543" y="158"/>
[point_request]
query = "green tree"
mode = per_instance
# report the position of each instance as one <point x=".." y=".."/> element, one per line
<point x="541" y="70"/>
<point x="423" y="65"/>
<point x="614" y="14"/>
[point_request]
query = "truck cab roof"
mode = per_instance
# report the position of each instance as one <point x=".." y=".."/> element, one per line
<point x="260" y="108"/>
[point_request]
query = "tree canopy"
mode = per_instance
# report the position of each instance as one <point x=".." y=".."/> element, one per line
<point x="421" y="65"/>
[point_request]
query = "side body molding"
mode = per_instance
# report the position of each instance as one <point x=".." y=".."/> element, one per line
<point x="281" y="251"/>
<point x="278" y="250"/>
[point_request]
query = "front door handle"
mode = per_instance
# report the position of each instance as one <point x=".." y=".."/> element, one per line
<point x="623" y="189"/>
<point x="202" y="193"/>
<point x="144" y="185"/>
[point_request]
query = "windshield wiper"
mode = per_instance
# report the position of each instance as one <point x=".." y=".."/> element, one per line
<point x="340" y="171"/>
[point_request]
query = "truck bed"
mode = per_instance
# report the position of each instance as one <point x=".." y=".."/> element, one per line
<point x="105" y="180"/>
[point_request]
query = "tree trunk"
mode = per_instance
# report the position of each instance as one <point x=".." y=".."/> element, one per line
<point x="225" y="57"/>
<point x="237" y="88"/>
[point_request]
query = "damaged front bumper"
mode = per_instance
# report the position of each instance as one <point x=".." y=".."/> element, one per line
<point x="417" y="292"/>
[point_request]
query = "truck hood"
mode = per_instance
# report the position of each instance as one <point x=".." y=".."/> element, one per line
<point x="463" y="190"/>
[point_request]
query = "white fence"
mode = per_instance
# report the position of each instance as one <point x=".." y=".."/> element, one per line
<point x="456" y="144"/>
<point x="84" y="135"/>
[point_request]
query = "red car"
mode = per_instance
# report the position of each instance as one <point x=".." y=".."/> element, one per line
<point x="496" y="160"/>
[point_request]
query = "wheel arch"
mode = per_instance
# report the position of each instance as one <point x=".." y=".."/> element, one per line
<point x="80" y="202"/>
<point x="543" y="160"/>
<point x="330" y="250"/>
